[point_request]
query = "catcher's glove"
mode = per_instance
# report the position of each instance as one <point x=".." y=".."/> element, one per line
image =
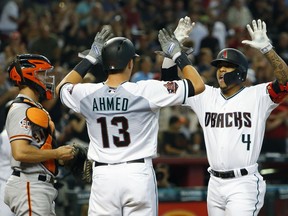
<point x="80" y="167"/>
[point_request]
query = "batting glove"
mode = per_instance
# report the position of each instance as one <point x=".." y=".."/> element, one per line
<point x="259" y="37"/>
<point x="101" y="37"/>
<point x="169" y="44"/>
<point x="183" y="29"/>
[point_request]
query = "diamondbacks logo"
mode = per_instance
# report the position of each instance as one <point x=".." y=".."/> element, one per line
<point x="225" y="54"/>
<point x="25" y="123"/>
<point x="171" y="87"/>
<point x="70" y="89"/>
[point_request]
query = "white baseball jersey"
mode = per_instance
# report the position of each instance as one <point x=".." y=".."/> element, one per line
<point x="233" y="127"/>
<point x="5" y="170"/>
<point x="122" y="122"/>
<point x="5" y="156"/>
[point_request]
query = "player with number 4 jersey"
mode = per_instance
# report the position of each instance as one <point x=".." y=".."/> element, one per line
<point x="233" y="119"/>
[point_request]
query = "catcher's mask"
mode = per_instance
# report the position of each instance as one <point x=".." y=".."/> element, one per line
<point x="116" y="53"/>
<point x="237" y="59"/>
<point x="32" y="70"/>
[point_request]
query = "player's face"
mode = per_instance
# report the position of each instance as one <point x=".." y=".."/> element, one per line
<point x="222" y="69"/>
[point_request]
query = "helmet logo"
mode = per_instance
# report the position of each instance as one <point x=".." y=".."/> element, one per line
<point x="224" y="54"/>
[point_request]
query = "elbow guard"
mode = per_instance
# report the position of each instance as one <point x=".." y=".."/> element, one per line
<point x="277" y="91"/>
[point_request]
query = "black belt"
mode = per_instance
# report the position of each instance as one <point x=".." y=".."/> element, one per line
<point x="40" y="177"/>
<point x="228" y="174"/>
<point x="132" y="161"/>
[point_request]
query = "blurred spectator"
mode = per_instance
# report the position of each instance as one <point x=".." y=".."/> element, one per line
<point x="111" y="8"/>
<point x="149" y="12"/>
<point x="280" y="21"/>
<point x="7" y="93"/>
<point x="14" y="47"/>
<point x="199" y="31"/>
<point x="276" y="134"/>
<point x="162" y="175"/>
<point x="46" y="44"/>
<point x="238" y="15"/>
<point x="260" y="9"/>
<point x="174" y="142"/>
<point x="83" y="9"/>
<point x="74" y="126"/>
<point x="210" y="41"/>
<point x="9" y="18"/>
<point x="132" y="18"/>
<point x="220" y="32"/>
<point x="96" y="19"/>
<point x="179" y="9"/>
<point x="144" y="70"/>
<point x="235" y="37"/>
<point x="204" y="67"/>
<point x="281" y="46"/>
<point x="263" y="69"/>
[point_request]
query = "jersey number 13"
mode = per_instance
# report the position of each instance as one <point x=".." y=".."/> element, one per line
<point x="116" y="121"/>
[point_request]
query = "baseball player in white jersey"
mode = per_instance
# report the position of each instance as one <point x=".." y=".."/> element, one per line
<point x="29" y="190"/>
<point x="233" y="120"/>
<point x="5" y="170"/>
<point x="122" y="121"/>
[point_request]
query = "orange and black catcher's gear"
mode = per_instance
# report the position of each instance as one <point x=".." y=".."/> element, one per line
<point x="34" y="71"/>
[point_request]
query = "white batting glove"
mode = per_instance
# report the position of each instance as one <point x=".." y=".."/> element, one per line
<point x="183" y="29"/>
<point x="259" y="37"/>
<point x="101" y="37"/>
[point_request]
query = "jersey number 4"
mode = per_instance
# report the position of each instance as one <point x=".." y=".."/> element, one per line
<point x="246" y="140"/>
<point x="116" y="121"/>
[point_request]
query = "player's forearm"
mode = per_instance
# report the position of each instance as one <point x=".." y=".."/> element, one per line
<point x="29" y="154"/>
<point x="279" y="66"/>
<point x="189" y="72"/>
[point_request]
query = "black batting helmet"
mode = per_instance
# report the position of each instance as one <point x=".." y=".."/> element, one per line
<point x="116" y="53"/>
<point x="234" y="57"/>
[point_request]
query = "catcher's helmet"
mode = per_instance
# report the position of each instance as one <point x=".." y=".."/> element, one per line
<point x="116" y="53"/>
<point x="234" y="57"/>
<point x="31" y="70"/>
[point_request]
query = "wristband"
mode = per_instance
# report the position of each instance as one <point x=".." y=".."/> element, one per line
<point x="182" y="60"/>
<point x="168" y="63"/>
<point x="176" y="55"/>
<point x="83" y="67"/>
<point x="266" y="48"/>
<point x="91" y="59"/>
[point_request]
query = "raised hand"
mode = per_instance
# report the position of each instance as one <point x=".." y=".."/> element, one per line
<point x="169" y="44"/>
<point x="101" y="37"/>
<point x="183" y="29"/>
<point x="259" y="37"/>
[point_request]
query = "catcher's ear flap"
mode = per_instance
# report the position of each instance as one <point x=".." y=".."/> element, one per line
<point x="15" y="72"/>
<point x="38" y="116"/>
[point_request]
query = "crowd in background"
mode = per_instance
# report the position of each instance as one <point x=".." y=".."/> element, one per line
<point x="61" y="29"/>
